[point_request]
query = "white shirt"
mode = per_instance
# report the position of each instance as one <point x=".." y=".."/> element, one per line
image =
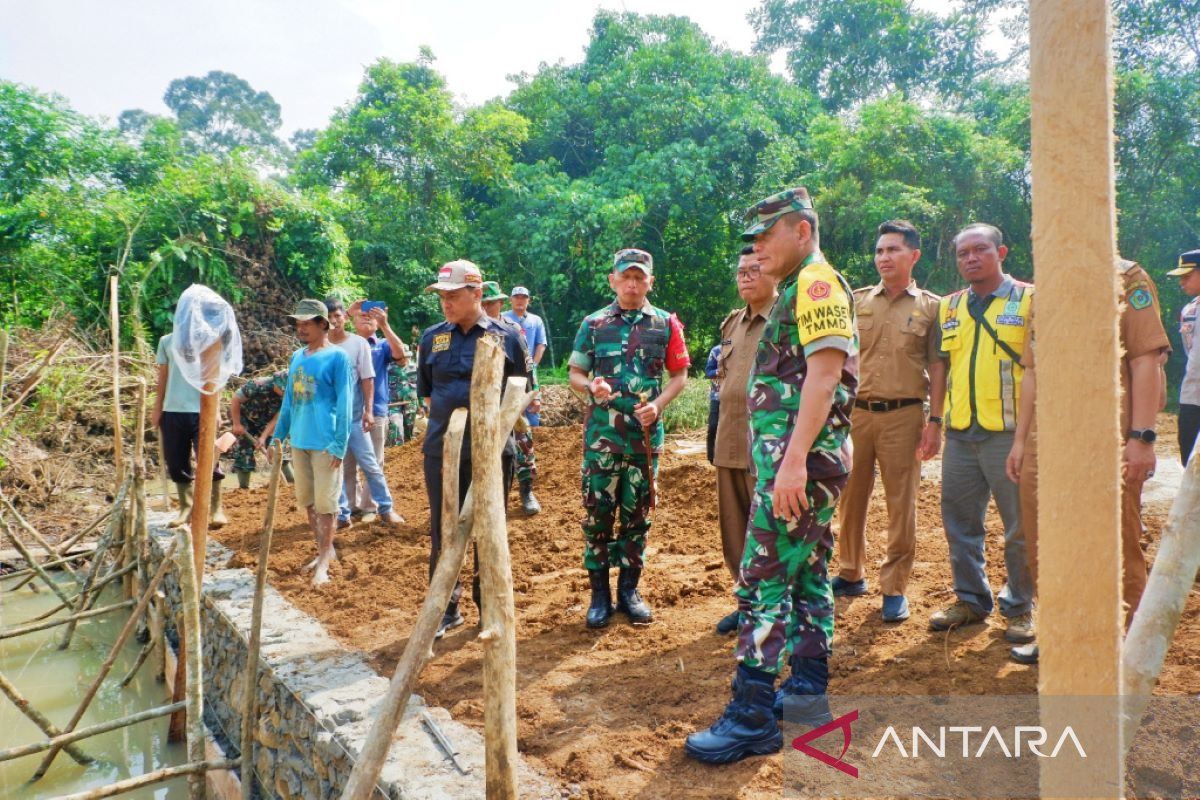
<point x="359" y="350"/>
<point x="1189" y="391"/>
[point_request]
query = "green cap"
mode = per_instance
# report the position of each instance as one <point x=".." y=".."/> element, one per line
<point x="491" y="291"/>
<point x="632" y="257"/>
<point x="309" y="309"/>
<point x="765" y="213"/>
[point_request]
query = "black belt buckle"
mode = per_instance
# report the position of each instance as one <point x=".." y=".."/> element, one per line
<point x="878" y="406"/>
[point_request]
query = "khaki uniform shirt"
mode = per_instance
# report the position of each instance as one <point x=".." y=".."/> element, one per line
<point x="898" y="341"/>
<point x="740" y="334"/>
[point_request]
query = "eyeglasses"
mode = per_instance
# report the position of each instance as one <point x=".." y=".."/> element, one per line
<point x="746" y="273"/>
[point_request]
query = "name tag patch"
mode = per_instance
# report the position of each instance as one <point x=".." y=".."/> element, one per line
<point x="1011" y="319"/>
<point x="950" y="324"/>
<point x="441" y="341"/>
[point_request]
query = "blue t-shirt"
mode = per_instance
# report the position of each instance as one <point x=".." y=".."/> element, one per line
<point x="317" y="401"/>
<point x="710" y="371"/>
<point x="535" y="329"/>
<point x="381" y="356"/>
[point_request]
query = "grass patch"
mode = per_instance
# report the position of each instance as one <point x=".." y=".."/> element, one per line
<point x="688" y="411"/>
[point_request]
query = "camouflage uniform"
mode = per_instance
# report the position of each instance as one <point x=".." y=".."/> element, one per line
<point x="260" y="404"/>
<point x="402" y="408"/>
<point x="525" y="461"/>
<point x="783" y="590"/>
<point x="629" y="349"/>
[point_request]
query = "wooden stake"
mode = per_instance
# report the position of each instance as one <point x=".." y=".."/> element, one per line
<point x="495" y="573"/>
<point x="1171" y="580"/>
<point x="250" y="711"/>
<point x="36" y="717"/>
<point x="84" y="733"/>
<point x="190" y="646"/>
<point x="12" y="633"/>
<point x="137" y="526"/>
<point x="114" y="324"/>
<point x="114" y="523"/>
<point x="107" y="666"/>
<point x="194" y="771"/>
<point x="206" y="456"/>
<point x="1074" y="254"/>
<point x="34" y="565"/>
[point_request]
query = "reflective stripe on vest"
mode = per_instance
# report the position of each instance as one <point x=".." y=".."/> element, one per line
<point x="983" y="382"/>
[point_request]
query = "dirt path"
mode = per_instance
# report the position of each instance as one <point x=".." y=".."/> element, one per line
<point x="606" y="712"/>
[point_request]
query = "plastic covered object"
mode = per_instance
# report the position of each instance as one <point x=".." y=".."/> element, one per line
<point x="203" y="319"/>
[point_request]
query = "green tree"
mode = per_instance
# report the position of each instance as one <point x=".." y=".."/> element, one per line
<point x="221" y="112"/>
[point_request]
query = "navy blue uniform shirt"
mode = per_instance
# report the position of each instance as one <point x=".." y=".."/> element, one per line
<point x="444" y="373"/>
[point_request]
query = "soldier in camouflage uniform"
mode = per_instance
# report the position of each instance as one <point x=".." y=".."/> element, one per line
<point x="800" y="395"/>
<point x="625" y="347"/>
<point x="253" y="412"/>
<point x="402" y="407"/>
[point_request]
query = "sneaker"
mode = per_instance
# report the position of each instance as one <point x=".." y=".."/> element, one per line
<point x="845" y="588"/>
<point x="451" y="619"/>
<point x="895" y="608"/>
<point x="1025" y="654"/>
<point x="368" y="517"/>
<point x="392" y="518"/>
<point x="1020" y="628"/>
<point x="961" y="613"/>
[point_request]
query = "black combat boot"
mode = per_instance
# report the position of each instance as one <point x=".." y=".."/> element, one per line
<point x="529" y="502"/>
<point x="746" y="728"/>
<point x="801" y="698"/>
<point x="629" y="602"/>
<point x="601" y="610"/>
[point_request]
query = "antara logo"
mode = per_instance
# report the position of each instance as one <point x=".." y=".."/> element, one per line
<point x="843" y="723"/>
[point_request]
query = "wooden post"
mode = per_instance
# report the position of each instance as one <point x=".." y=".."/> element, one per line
<point x="137" y="528"/>
<point x="114" y="323"/>
<point x="192" y="654"/>
<point x="37" y="718"/>
<point x="1074" y="253"/>
<point x="250" y="710"/>
<point x="84" y="733"/>
<point x="499" y="634"/>
<point x="206" y="457"/>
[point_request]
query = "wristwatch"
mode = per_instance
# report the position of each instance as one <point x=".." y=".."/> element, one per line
<point x="936" y="420"/>
<point x="1146" y="435"/>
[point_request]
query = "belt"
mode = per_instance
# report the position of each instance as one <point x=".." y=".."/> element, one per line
<point x="886" y="405"/>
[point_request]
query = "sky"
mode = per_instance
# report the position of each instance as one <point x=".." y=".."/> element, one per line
<point x="106" y="56"/>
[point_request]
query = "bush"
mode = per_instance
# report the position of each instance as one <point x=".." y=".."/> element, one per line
<point x="689" y="411"/>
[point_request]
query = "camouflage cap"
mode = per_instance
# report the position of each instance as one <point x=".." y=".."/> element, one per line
<point x="279" y="380"/>
<point x="491" y="291"/>
<point x="632" y="257"/>
<point x="765" y="213"/>
<point x="456" y="275"/>
<point x="309" y="309"/>
<point x="520" y="291"/>
<point x="1187" y="262"/>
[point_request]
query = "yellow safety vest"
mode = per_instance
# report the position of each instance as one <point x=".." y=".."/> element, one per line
<point x="984" y="379"/>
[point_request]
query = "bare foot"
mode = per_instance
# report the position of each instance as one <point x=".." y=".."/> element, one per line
<point x="321" y="576"/>
<point x="310" y="565"/>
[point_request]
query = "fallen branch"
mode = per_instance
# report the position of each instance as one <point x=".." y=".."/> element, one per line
<point x="36" y="377"/>
<point x="85" y="733"/>
<point x="38" y="719"/>
<point x="151" y="778"/>
<point x="33" y="563"/>
<point x="54" y="623"/>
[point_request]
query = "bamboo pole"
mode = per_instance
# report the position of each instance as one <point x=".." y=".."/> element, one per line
<point x="456" y="534"/>
<point x="85" y="733"/>
<point x="1074" y="256"/>
<point x="191" y="650"/>
<point x="33" y="563"/>
<point x="455" y="539"/>
<point x="32" y="531"/>
<point x="206" y="456"/>
<point x="114" y="321"/>
<point x="107" y="666"/>
<point x="101" y="548"/>
<point x="250" y="711"/>
<point x="133" y="552"/>
<point x="491" y="537"/>
<point x="3" y="360"/>
<point x="193" y="771"/>
<point x="21" y="630"/>
<point x="37" y="718"/>
<point x="1171" y="581"/>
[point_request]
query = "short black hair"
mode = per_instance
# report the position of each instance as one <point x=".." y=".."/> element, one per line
<point x="912" y="237"/>
<point x="334" y="304"/>
<point x="990" y="231"/>
<point x="748" y="250"/>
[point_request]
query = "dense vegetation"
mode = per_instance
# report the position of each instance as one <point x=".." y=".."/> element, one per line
<point x="657" y="138"/>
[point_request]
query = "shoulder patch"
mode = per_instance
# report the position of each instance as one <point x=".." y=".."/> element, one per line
<point x="1140" y="298"/>
<point x="823" y="305"/>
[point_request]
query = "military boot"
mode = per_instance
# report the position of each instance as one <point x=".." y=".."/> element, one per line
<point x="629" y="602"/>
<point x="183" y="491"/>
<point x="529" y="501"/>
<point x="601" y="609"/>
<point x="216" y="514"/>
<point x="746" y="728"/>
<point x="243" y="480"/>
<point x="802" y="697"/>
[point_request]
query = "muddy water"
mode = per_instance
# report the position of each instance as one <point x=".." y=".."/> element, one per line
<point x="54" y="682"/>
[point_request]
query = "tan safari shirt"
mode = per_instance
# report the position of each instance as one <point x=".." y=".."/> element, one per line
<point x="897" y="340"/>
<point x="740" y="334"/>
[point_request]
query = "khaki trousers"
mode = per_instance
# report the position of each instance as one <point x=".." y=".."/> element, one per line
<point x="889" y="438"/>
<point x="735" y="488"/>
<point x="1133" y="560"/>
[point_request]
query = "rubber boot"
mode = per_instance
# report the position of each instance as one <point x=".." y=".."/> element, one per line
<point x="183" y="491"/>
<point x="801" y="698"/>
<point x="288" y="475"/>
<point x="601" y="609"/>
<point x="629" y="602"/>
<point x="746" y="728"/>
<point x="529" y="502"/>
<point x="216" y="514"/>
<point x="243" y="480"/>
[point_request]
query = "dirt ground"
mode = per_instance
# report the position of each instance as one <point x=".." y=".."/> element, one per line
<point x="605" y="712"/>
